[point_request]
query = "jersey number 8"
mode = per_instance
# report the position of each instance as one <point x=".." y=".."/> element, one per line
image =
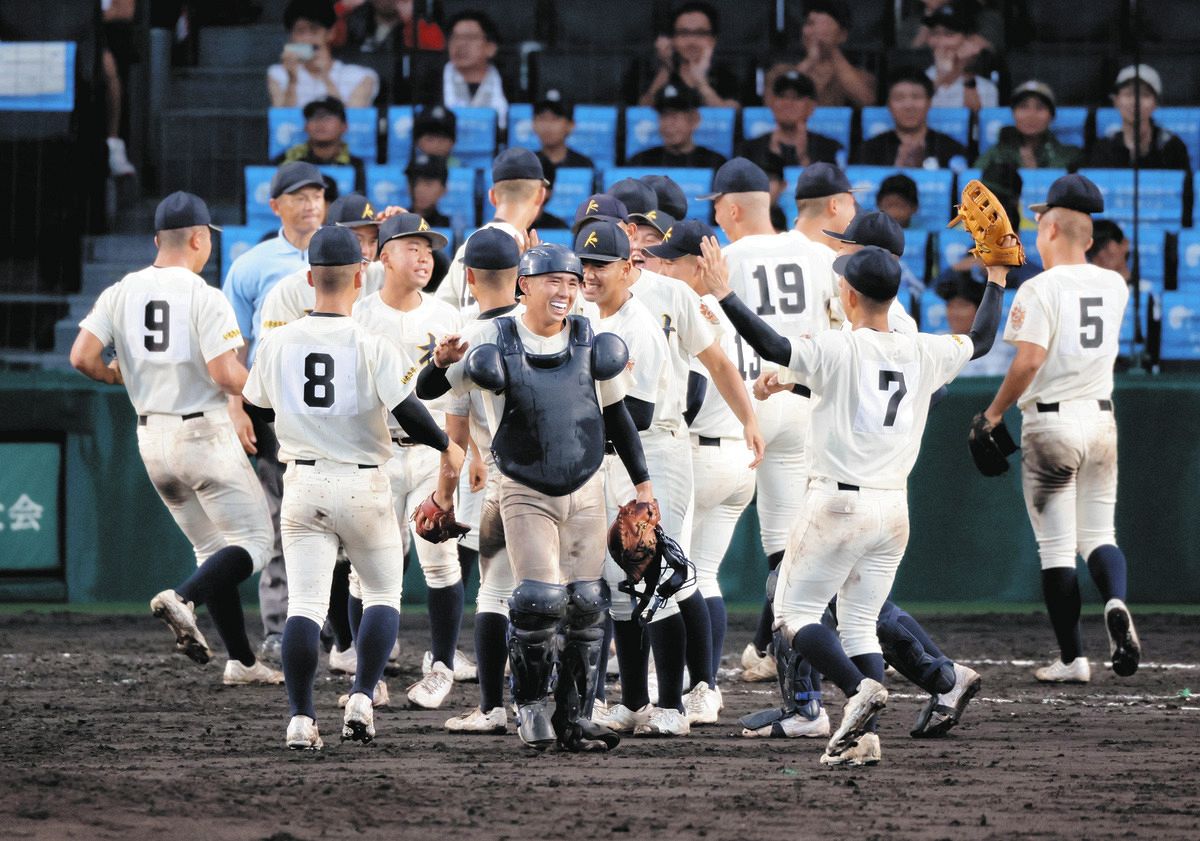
<point x="318" y="380"/>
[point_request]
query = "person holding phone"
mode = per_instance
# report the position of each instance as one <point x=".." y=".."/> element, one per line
<point x="307" y="70"/>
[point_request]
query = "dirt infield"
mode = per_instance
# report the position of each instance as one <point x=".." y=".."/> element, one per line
<point x="107" y="735"/>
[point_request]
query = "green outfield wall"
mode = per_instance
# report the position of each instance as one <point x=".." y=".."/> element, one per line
<point x="80" y="521"/>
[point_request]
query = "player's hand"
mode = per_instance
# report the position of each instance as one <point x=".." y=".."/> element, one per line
<point x="766" y="385"/>
<point x="754" y="443"/>
<point x="477" y="474"/>
<point x="532" y="240"/>
<point x="714" y="271"/>
<point x="992" y="417"/>
<point x="449" y="350"/>
<point x="644" y="492"/>
<point x="115" y="367"/>
<point x="390" y="211"/>
<point x="243" y="426"/>
<point x="999" y="274"/>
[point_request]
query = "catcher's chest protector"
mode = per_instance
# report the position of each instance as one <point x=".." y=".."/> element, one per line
<point x="551" y="436"/>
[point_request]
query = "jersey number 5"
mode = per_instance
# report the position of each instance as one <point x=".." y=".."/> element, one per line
<point x="1091" y="333"/>
<point x="318" y="380"/>
<point x="789" y="280"/>
<point x="158" y="320"/>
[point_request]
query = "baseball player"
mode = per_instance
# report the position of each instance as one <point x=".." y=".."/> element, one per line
<point x="543" y="372"/>
<point x="1065" y="324"/>
<point x="176" y="340"/>
<point x="413" y="320"/>
<point x="328" y="384"/>
<point x="874" y="386"/>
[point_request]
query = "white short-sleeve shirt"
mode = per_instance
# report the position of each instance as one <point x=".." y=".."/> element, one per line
<point x="309" y="88"/>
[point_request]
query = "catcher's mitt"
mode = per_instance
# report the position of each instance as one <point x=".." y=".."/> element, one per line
<point x="983" y="217"/>
<point x="990" y="446"/>
<point x="436" y="524"/>
<point x="632" y="541"/>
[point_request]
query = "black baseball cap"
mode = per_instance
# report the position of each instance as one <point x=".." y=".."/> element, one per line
<point x="836" y="9"/>
<point x="517" y="165"/>
<point x="602" y="241"/>
<point x="436" y="119"/>
<point x="674" y="97"/>
<point x="491" y="249"/>
<point x="182" y="210"/>
<point x="1036" y="89"/>
<point x="554" y="102"/>
<point x="641" y="204"/>
<point x="899" y="185"/>
<point x="681" y="240"/>
<point x="872" y="271"/>
<point x="409" y="225"/>
<point x="738" y="175"/>
<point x="329" y="105"/>
<point x="333" y="245"/>
<point x="427" y="166"/>
<point x="794" y="80"/>
<point x="873" y="228"/>
<point x="821" y="179"/>
<point x="293" y="176"/>
<point x="956" y="17"/>
<point x="599" y="206"/>
<point x="351" y="211"/>
<point x="1072" y="192"/>
<point x="671" y="198"/>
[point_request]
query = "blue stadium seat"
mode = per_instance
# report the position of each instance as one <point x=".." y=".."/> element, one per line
<point x="399" y="134"/>
<point x="952" y="245"/>
<point x="1181" y="325"/>
<point x="916" y="248"/>
<point x="258" y="188"/>
<point x="641" y="130"/>
<point x="520" y="126"/>
<point x="387" y="185"/>
<point x="285" y="128"/>
<point x="933" y="313"/>
<point x="1189" y="260"/>
<point x="476" y="142"/>
<point x="558" y="236"/>
<point x="459" y="201"/>
<point x="595" y="132"/>
<point x="236" y="240"/>
<point x="831" y="121"/>
<point x="956" y="122"/>
<point x="571" y="186"/>
<point x="693" y="182"/>
<point x="1161" y="194"/>
<point x="934" y="188"/>
<point x="1152" y="253"/>
<point x="1069" y="125"/>
<point x="1184" y="122"/>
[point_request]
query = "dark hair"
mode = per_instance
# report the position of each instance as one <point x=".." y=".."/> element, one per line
<point x="1104" y="231"/>
<point x="714" y="19"/>
<point x="490" y="32"/>
<point x="318" y="11"/>
<point x="899" y="185"/>
<point x="912" y="76"/>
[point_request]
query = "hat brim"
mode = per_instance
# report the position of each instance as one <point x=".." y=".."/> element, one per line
<point x="358" y="223"/>
<point x="599" y="217"/>
<point x="436" y="240"/>
<point x="840" y="237"/>
<point x="216" y="228"/>
<point x="360" y="261"/>
<point x="661" y="223"/>
<point x="852" y="191"/>
<point x="839" y="263"/>
<point x="665" y="251"/>
<point x="308" y="182"/>
<point x="600" y="258"/>
<point x="1040" y="207"/>
<point x="710" y="197"/>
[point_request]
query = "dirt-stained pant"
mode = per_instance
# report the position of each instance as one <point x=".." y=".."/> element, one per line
<point x="495" y="571"/>
<point x="554" y="539"/>
<point x="724" y="487"/>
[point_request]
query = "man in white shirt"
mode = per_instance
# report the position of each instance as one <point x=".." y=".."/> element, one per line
<point x="1065" y="324"/>
<point x="470" y="78"/>
<point x="307" y="70"/>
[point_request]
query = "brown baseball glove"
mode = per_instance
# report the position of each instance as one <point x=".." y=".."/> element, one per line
<point x="632" y="541"/>
<point x="437" y="524"/>
<point x="983" y="217"/>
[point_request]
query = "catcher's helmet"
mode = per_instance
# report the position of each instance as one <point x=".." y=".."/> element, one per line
<point x="547" y="258"/>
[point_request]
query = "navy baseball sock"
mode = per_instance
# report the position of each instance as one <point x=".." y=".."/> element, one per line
<point x="301" y="643"/>
<point x="225" y="607"/>
<point x="339" y="607"/>
<point x="226" y="567"/>
<point x="1060" y="587"/>
<point x="668" y="639"/>
<point x="445" y="619"/>
<point x="468" y="559"/>
<point x="380" y="625"/>
<point x="602" y="680"/>
<point x="1107" y="566"/>
<point x="354" y="612"/>
<point x="718" y="621"/>
<point x="633" y="660"/>
<point x="820" y="646"/>
<point x="698" y="628"/>
<point x="491" y="653"/>
<point x="871" y="665"/>
<point x="766" y="619"/>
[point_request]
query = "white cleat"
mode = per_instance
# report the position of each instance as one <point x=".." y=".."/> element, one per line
<point x="359" y="722"/>
<point x="118" y="159"/>
<point x="757" y="667"/>
<point x="494" y="722"/>
<point x="238" y="675"/>
<point x="870" y="698"/>
<point x="664" y="722"/>
<point x="302" y="734"/>
<point x="1123" y="644"/>
<point x="431" y="690"/>
<point x="343" y="662"/>
<point x="394" y="656"/>
<point x="379" y="696"/>
<point x="792" y="727"/>
<point x="180" y="617"/>
<point x="866" y="752"/>
<point x="1077" y="671"/>
<point x="702" y="705"/>
<point x="465" y="670"/>
<point x="621" y="719"/>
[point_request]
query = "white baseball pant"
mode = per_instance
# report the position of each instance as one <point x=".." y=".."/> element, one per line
<point x="554" y="539"/>
<point x="724" y="487"/>
<point x="783" y="473"/>
<point x="496" y="580"/>
<point x="468" y="507"/>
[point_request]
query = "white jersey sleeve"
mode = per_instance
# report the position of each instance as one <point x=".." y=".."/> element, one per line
<point x="257" y="391"/>
<point x="944" y="357"/>
<point x="394" y="375"/>
<point x="216" y="324"/>
<point x="101" y="321"/>
<point x="289" y="299"/>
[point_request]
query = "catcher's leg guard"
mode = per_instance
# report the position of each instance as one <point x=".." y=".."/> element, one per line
<point x="535" y="609"/>
<point x="799" y="686"/>
<point x="909" y="651"/>
<point x="582" y="633"/>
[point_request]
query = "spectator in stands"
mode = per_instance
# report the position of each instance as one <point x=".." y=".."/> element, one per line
<point x="324" y="128"/>
<point x="685" y="59"/>
<point x="912" y="143"/>
<point x="962" y="295"/>
<point x="1029" y="143"/>
<point x="427" y="176"/>
<point x="792" y="101"/>
<point x="1160" y="149"/>
<point x="898" y="198"/>
<point x="375" y="26"/>
<point x="1110" y="248"/>
<point x="955" y="54"/>
<point x="553" y="122"/>
<point x="911" y="30"/>
<point x="434" y="131"/>
<point x="678" y="117"/>
<point x="120" y="50"/>
<point x="837" y="80"/>
<point x="547" y="220"/>
<point x="470" y="78"/>
<point x="308" y="71"/>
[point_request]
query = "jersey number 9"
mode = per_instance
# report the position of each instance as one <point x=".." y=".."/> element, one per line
<point x="158" y="320"/>
<point x="789" y="281"/>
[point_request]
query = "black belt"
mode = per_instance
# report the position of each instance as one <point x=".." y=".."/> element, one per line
<point x="802" y="390"/>
<point x="705" y="441"/>
<point x="1105" y="406"/>
<point x="309" y="462"/>
<point x="844" y="486"/>
<point x="144" y="419"/>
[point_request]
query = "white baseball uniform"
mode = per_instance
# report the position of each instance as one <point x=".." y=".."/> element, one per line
<point x="874" y="391"/>
<point x="454" y="289"/>
<point x="293" y="296"/>
<point x="167" y="324"/>
<point x="332" y="385"/>
<point x="1068" y="431"/>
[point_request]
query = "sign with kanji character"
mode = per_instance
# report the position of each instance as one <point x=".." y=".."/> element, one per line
<point x="29" y="515"/>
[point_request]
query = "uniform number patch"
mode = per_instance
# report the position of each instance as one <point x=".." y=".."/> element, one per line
<point x="788" y="289"/>
<point x="883" y="404"/>
<point x="320" y="380"/>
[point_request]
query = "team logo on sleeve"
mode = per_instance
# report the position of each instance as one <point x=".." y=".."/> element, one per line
<point x="668" y="326"/>
<point x="707" y="313"/>
<point x="1017" y="316"/>
<point x="426" y="349"/>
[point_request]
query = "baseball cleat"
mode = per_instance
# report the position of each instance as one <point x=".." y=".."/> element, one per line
<point x="465" y="670"/>
<point x="788" y="727"/>
<point x="1123" y="643"/>
<point x="1077" y="671"/>
<point x="180" y="617"/>
<point x="866" y="752"/>
<point x="431" y="690"/>
<point x="359" y="722"/>
<point x="302" y="734"/>
<point x="621" y="719"/>
<point x="494" y="722"/>
<point x="943" y="712"/>
<point x="343" y="662"/>
<point x="757" y="667"/>
<point x="664" y="722"/>
<point x="237" y="674"/>
<point x="534" y="726"/>
<point x="702" y="705"/>
<point x="379" y="696"/>
<point x="870" y="698"/>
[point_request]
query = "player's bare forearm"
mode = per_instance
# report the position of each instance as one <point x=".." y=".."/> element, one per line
<point x="644" y="491"/>
<point x="242" y="424"/>
<point x="451" y="466"/>
<point x="87" y="357"/>
<point x="228" y="373"/>
<point x="459" y="431"/>
<point x="1025" y="365"/>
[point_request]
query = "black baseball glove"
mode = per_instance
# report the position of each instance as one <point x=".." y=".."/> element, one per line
<point x="990" y="446"/>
